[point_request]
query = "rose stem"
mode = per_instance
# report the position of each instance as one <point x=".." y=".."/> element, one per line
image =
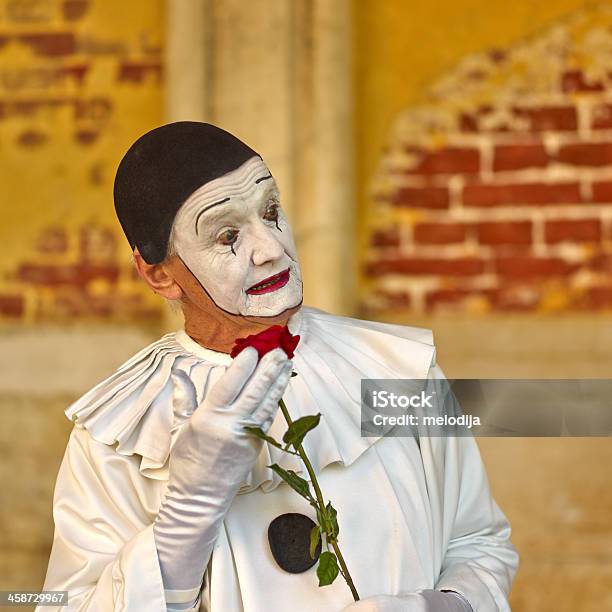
<point x="319" y="495"/>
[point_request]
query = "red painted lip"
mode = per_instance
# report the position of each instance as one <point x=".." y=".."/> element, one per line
<point x="278" y="281"/>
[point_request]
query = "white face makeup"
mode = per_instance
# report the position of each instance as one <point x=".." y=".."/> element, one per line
<point x="233" y="236"/>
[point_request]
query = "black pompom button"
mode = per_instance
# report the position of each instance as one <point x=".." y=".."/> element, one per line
<point x="289" y="538"/>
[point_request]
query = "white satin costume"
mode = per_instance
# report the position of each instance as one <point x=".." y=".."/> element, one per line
<point x="412" y="514"/>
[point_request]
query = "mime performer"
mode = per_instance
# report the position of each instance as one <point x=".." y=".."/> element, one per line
<point x="163" y="501"/>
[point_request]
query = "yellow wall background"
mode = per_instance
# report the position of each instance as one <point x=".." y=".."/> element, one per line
<point x="55" y="179"/>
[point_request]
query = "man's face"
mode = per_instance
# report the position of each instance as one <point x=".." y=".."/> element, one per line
<point x="233" y="236"/>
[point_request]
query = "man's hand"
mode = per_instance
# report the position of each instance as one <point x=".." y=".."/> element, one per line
<point x="210" y="459"/>
<point x="423" y="601"/>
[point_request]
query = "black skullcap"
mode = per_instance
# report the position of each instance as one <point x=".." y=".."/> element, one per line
<point x="161" y="170"/>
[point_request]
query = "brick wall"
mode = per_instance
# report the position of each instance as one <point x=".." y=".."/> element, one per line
<point x="77" y="276"/>
<point x="496" y="193"/>
<point x="80" y="80"/>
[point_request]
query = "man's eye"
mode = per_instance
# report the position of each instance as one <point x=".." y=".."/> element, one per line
<point x="271" y="213"/>
<point x="228" y="237"/>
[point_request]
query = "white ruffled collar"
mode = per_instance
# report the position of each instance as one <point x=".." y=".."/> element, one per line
<point x="141" y="407"/>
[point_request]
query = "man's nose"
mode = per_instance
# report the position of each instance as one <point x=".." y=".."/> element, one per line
<point x="265" y="247"/>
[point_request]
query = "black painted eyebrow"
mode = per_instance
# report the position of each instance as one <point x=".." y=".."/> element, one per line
<point x="257" y="181"/>
<point x="208" y="208"/>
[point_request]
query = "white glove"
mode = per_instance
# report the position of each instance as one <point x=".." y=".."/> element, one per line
<point x="423" y="601"/>
<point x="210" y="459"/>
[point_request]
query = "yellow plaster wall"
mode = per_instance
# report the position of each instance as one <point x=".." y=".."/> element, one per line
<point x="61" y="182"/>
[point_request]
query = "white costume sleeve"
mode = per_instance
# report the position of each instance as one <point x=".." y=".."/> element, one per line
<point x="480" y="562"/>
<point x="103" y="551"/>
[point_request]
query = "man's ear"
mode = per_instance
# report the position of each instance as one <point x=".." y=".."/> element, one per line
<point x="158" y="277"/>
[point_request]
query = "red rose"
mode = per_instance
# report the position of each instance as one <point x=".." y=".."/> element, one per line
<point x="267" y="340"/>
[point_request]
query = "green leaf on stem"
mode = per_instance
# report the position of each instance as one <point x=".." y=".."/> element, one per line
<point x="332" y="516"/>
<point x="259" y="433"/>
<point x="299" y="428"/>
<point x="315" y="536"/>
<point x="327" y="570"/>
<point x="294" y="481"/>
<point x="322" y="520"/>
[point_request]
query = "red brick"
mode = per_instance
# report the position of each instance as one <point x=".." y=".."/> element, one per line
<point x="31" y="107"/>
<point x="77" y="275"/>
<point x="50" y="44"/>
<point x="439" y="233"/>
<point x="135" y="72"/>
<point x="78" y="72"/>
<point x="498" y="55"/>
<point x="602" y="262"/>
<point x="441" y="297"/>
<point x="575" y="80"/>
<point x="482" y="194"/>
<point x="421" y="197"/>
<point x="75" y="9"/>
<point x="504" y="232"/>
<point x="476" y="74"/>
<point x="509" y="298"/>
<point x="459" y="266"/>
<point x="393" y="299"/>
<point x="597" y="298"/>
<point x="31" y="138"/>
<point x="602" y="117"/>
<point x="52" y="240"/>
<point x="471" y="122"/>
<point x="11" y="305"/>
<point x="574" y="230"/>
<point x="94" y="109"/>
<point x="448" y="161"/>
<point x="516" y="157"/>
<point x="96" y="174"/>
<point x="468" y="123"/>
<point x="385" y="238"/>
<point x="602" y="191"/>
<point x="586" y="154"/>
<point x="86" y="137"/>
<point x="549" y="118"/>
<point x="528" y="266"/>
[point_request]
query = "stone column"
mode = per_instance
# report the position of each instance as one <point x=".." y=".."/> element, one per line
<point x="323" y="200"/>
<point x="186" y="65"/>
